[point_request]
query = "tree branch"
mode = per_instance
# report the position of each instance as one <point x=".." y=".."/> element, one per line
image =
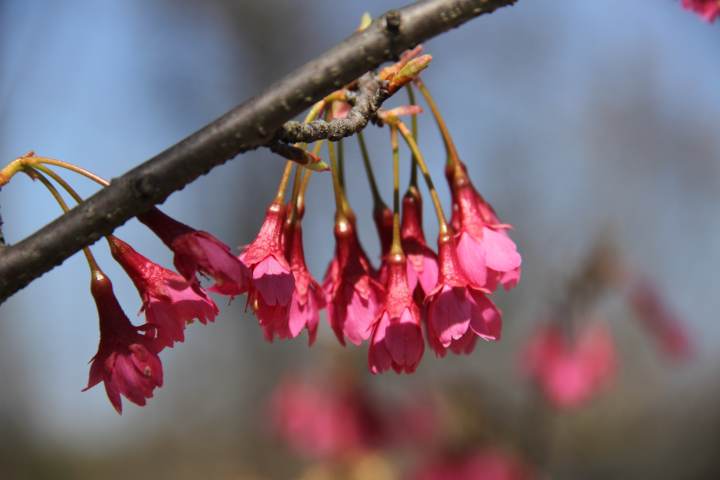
<point x="252" y="124"/>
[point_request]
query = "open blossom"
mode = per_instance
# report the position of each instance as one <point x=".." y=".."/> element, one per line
<point x="198" y="252"/>
<point x="126" y="361"/>
<point x="707" y="9"/>
<point x="397" y="339"/>
<point x="170" y="302"/>
<point x="569" y="372"/>
<point x="308" y="297"/>
<point x="353" y="295"/>
<point x="271" y="281"/>
<point x="422" y="266"/>
<point x="458" y="310"/>
<point x="659" y="320"/>
<point x="487" y="464"/>
<point x="487" y="254"/>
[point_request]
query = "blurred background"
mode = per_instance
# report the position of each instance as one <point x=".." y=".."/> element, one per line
<point x="592" y="127"/>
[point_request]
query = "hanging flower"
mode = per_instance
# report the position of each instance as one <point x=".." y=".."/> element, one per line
<point x="457" y="307"/>
<point x="487" y="254"/>
<point x="198" y="252"/>
<point x="397" y="340"/>
<point x="170" y="302"/>
<point x="353" y="294"/>
<point x="271" y="282"/>
<point x="485" y="464"/>
<point x="422" y="266"/>
<point x="126" y="361"/>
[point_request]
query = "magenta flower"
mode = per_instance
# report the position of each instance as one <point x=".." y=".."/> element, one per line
<point x="383" y="219"/>
<point x="487" y="254"/>
<point x="198" y="252"/>
<point x="397" y="339"/>
<point x="271" y="281"/>
<point x="353" y="295"/>
<point x="707" y="9"/>
<point x="126" y="361"/>
<point x="569" y="372"/>
<point x="457" y="308"/>
<point x="170" y="302"/>
<point x="308" y="297"/>
<point x="660" y="321"/>
<point x="422" y="266"/>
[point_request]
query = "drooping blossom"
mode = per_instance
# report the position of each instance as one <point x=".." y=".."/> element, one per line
<point x="709" y="10"/>
<point x="660" y="321"/>
<point x="569" y="372"/>
<point x="397" y="339"/>
<point x="458" y="310"/>
<point x="271" y="281"/>
<point x="353" y="295"/>
<point x="422" y="266"/>
<point x="328" y="421"/>
<point x="486" y="464"/>
<point x="487" y="254"/>
<point x="198" y="252"/>
<point x="126" y="361"/>
<point x="169" y="301"/>
<point x="308" y="297"/>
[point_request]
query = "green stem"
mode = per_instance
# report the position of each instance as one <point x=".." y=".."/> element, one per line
<point x="414" y="128"/>
<point x="342" y="207"/>
<point x="396" y="250"/>
<point x="453" y="159"/>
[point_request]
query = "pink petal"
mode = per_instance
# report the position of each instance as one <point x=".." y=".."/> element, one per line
<point x="471" y="256"/>
<point x="500" y="251"/>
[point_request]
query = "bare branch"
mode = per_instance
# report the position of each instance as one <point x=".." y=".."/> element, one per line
<point x="252" y="124"/>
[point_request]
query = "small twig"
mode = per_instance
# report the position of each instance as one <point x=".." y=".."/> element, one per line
<point x="366" y="101"/>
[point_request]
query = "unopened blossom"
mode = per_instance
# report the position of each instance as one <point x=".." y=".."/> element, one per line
<point x="126" y="361"/>
<point x="660" y="321"/>
<point x="170" y="302"/>
<point x="198" y="252"/>
<point x="422" y="266"/>
<point x="485" y="464"/>
<point x="570" y="371"/>
<point x="308" y="297"/>
<point x="383" y="219"/>
<point x="457" y="308"/>
<point x="709" y="10"/>
<point x="487" y="254"/>
<point x="353" y="295"/>
<point x="271" y="281"/>
<point x="397" y="339"/>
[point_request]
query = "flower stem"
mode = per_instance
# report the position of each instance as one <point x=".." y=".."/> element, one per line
<point x="414" y="128"/>
<point x="280" y="196"/>
<point x="453" y="159"/>
<point x="343" y="211"/>
<point x="407" y="136"/>
<point x="377" y="198"/>
<point x="68" y="166"/>
<point x="36" y="174"/>
<point x="396" y="251"/>
<point x="341" y="163"/>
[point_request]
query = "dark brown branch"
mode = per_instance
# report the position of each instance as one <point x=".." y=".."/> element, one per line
<point x="252" y="124"/>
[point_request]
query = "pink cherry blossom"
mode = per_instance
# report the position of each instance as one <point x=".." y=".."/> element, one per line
<point x="126" y="361"/>
<point x="397" y="340"/>
<point x="198" y="252"/>
<point x="709" y="10"/>
<point x="487" y="254"/>
<point x="569" y="372"/>
<point x="422" y="267"/>
<point x="457" y="308"/>
<point x="170" y="302"/>
<point x="308" y="297"/>
<point x="353" y="295"/>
